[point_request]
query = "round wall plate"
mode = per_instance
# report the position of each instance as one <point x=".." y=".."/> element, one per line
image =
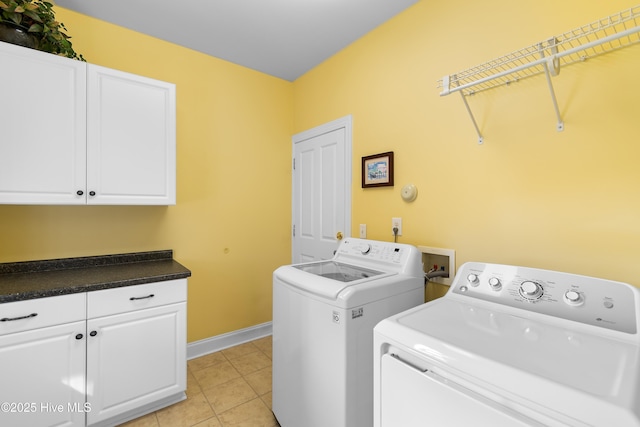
<point x="409" y="193"/>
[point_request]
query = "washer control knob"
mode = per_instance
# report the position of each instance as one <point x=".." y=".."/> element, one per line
<point x="473" y="279"/>
<point x="531" y="290"/>
<point x="495" y="284"/>
<point x="573" y="298"/>
<point x="365" y="249"/>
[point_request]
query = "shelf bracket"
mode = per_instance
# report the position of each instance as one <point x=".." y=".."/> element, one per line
<point x="473" y="120"/>
<point x="446" y="91"/>
<point x="552" y="68"/>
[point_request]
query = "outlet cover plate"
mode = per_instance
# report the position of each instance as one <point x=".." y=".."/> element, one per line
<point x="396" y="222"/>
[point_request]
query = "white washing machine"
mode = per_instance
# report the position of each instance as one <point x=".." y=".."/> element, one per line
<point x="323" y="318"/>
<point x="512" y="346"/>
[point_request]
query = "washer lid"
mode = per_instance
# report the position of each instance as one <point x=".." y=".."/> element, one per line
<point x="331" y="280"/>
<point x="531" y="359"/>
<point x="338" y="271"/>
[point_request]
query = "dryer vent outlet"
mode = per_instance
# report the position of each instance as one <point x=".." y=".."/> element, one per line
<point x="440" y="260"/>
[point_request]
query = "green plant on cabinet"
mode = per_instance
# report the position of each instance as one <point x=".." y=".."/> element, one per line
<point x="37" y="19"/>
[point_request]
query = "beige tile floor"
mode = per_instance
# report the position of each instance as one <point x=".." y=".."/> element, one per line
<point x="229" y="388"/>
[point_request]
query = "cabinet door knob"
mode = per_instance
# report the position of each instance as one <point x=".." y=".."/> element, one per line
<point x="93" y="333"/>
<point x="79" y="192"/>
<point x="79" y="336"/>
<point x="92" y="193"/>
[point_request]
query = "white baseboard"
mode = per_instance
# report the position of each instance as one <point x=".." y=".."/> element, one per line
<point x="141" y="411"/>
<point x="220" y="342"/>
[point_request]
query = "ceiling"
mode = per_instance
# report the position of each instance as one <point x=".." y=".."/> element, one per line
<point x="282" y="38"/>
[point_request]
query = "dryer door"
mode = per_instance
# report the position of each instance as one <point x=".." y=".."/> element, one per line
<point x="414" y="398"/>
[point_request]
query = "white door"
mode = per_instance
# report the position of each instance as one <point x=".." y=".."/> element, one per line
<point x="321" y="190"/>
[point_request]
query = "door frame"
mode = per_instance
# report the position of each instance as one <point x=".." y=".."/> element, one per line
<point x="345" y="122"/>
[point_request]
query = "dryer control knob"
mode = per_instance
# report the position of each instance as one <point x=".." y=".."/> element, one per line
<point x="573" y="298"/>
<point x="473" y="279"/>
<point x="531" y="290"/>
<point x="495" y="284"/>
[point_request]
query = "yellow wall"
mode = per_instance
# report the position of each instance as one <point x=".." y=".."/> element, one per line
<point x="232" y="219"/>
<point x="530" y="195"/>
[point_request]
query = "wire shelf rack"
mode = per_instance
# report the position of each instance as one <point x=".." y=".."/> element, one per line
<point x="546" y="57"/>
<point x="605" y="35"/>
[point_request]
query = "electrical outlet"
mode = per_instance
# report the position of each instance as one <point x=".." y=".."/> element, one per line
<point x="363" y="231"/>
<point x="396" y="223"/>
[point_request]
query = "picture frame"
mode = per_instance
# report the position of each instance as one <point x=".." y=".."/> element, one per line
<point x="377" y="170"/>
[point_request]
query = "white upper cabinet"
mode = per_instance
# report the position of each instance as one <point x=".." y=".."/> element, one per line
<point x="131" y="133"/>
<point x="42" y="127"/>
<point x="77" y="133"/>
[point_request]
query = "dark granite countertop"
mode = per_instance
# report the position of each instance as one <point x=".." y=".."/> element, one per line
<point x="38" y="279"/>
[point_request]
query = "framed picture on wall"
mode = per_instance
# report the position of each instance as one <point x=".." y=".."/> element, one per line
<point x="377" y="170"/>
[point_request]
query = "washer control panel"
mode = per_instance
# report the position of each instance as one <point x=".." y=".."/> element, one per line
<point x="386" y="256"/>
<point x="597" y="302"/>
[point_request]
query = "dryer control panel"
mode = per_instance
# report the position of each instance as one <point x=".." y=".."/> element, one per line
<point x="588" y="300"/>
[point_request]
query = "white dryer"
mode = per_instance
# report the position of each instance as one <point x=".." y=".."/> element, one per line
<point x="512" y="346"/>
<point x="323" y="318"/>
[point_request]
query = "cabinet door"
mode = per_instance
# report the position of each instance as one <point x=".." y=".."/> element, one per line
<point x="43" y="127"/>
<point x="131" y="133"/>
<point x="134" y="359"/>
<point x="42" y="375"/>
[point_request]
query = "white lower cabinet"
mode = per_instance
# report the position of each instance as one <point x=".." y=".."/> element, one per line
<point x="136" y="358"/>
<point x="43" y="377"/>
<point x="42" y="362"/>
<point x="123" y="356"/>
